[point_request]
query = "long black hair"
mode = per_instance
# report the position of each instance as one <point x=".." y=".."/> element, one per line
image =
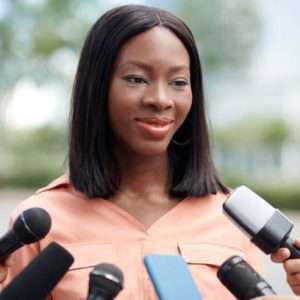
<point x="93" y="168"/>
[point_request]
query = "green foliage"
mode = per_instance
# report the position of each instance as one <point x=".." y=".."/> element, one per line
<point x="280" y="194"/>
<point x="46" y="42"/>
<point x="32" y="31"/>
<point x="226" y="31"/>
<point x="276" y="133"/>
<point x="243" y="147"/>
<point x="31" y="158"/>
<point x="254" y="131"/>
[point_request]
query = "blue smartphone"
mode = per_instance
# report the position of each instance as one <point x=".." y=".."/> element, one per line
<point x="171" y="277"/>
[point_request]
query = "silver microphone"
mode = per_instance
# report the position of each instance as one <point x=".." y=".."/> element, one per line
<point x="267" y="227"/>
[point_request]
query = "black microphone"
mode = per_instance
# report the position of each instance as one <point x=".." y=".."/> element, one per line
<point x="106" y="281"/>
<point x="267" y="227"/>
<point x="36" y="281"/>
<point x="30" y="226"/>
<point x="242" y="280"/>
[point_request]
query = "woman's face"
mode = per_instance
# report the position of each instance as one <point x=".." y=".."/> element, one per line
<point x="150" y="92"/>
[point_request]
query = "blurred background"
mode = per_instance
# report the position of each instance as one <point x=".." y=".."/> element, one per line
<point x="250" y="52"/>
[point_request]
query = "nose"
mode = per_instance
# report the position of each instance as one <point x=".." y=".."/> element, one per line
<point x="157" y="97"/>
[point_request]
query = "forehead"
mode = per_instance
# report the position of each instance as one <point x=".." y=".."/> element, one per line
<point x="157" y="45"/>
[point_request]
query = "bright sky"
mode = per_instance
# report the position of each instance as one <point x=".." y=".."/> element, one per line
<point x="31" y="105"/>
<point x="278" y="53"/>
<point x="271" y="86"/>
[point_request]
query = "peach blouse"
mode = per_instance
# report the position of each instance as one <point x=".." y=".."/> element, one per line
<point x="97" y="230"/>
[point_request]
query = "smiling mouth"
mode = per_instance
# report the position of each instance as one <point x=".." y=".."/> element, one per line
<point x="154" y="128"/>
<point x="155" y="121"/>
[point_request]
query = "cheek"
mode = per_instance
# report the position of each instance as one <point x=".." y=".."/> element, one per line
<point x="117" y="100"/>
<point x="184" y="105"/>
<point x="121" y="107"/>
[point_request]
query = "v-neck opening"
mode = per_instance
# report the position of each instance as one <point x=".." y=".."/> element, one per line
<point x="139" y="224"/>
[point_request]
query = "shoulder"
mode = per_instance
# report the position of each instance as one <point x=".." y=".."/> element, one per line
<point x="57" y="195"/>
<point x="208" y="211"/>
<point x="212" y="232"/>
<point x="209" y="203"/>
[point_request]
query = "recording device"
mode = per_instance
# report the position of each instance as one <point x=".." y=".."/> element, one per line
<point x="31" y="225"/>
<point x="106" y="281"/>
<point x="267" y="227"/>
<point x="171" y="277"/>
<point x="242" y="280"/>
<point x="37" y="280"/>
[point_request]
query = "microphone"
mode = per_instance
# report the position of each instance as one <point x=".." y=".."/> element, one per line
<point x="37" y="280"/>
<point x="268" y="228"/>
<point x="242" y="280"/>
<point x="106" y="281"/>
<point x="30" y="226"/>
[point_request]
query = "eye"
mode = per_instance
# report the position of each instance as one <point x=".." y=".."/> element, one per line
<point x="180" y="83"/>
<point x="133" y="79"/>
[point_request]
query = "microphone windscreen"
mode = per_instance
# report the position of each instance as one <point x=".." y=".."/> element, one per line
<point x="37" y="280"/>
<point x="32" y="225"/>
<point x="242" y="280"/>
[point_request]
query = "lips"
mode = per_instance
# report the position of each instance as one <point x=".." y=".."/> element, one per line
<point x="155" y="121"/>
<point x="155" y="128"/>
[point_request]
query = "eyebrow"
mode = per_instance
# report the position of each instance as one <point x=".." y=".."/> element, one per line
<point x="148" y="67"/>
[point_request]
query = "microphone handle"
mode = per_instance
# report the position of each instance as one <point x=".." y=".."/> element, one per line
<point x="9" y="243"/>
<point x="263" y="289"/>
<point x="290" y="244"/>
<point x="267" y="292"/>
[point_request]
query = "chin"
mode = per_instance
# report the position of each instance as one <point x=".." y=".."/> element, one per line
<point x="152" y="149"/>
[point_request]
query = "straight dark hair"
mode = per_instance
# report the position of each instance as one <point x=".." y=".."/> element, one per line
<point x="93" y="167"/>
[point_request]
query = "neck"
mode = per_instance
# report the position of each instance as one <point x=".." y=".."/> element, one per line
<point x="144" y="175"/>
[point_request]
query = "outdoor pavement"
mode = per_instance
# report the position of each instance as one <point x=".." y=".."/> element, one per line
<point x="274" y="273"/>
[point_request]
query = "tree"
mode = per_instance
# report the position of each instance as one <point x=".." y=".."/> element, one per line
<point x="226" y="31"/>
<point x="250" y="140"/>
<point x="33" y="31"/>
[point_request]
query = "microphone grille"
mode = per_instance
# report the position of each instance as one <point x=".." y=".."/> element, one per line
<point x="32" y="225"/>
<point x="240" y="278"/>
<point x="106" y="279"/>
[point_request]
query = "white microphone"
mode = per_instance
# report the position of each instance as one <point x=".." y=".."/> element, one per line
<point x="267" y="227"/>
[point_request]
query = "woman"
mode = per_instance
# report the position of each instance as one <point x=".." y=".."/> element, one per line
<point x="141" y="178"/>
